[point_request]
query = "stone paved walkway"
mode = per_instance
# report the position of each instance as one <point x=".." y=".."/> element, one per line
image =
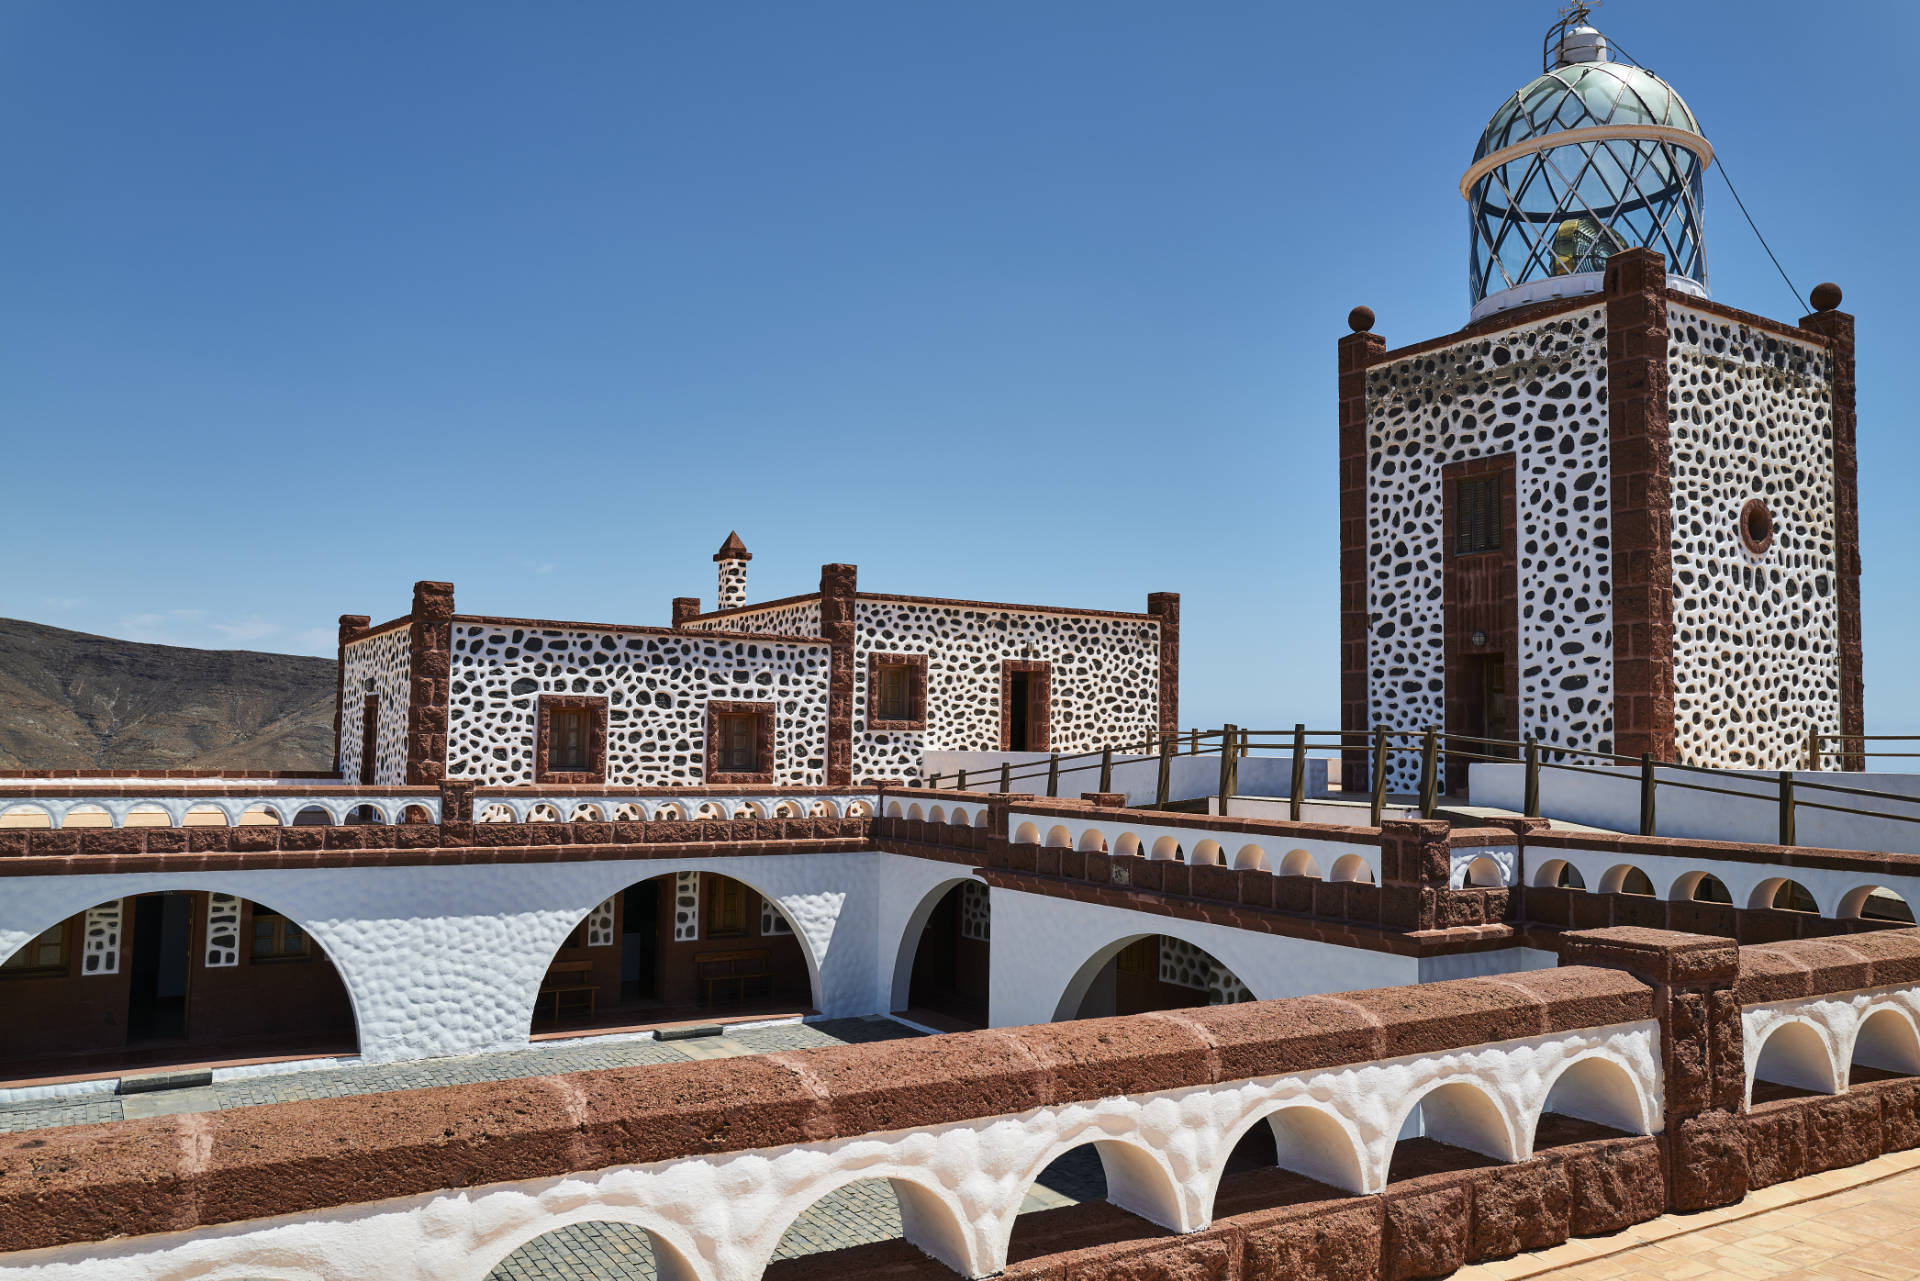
<point x="1857" y="1224"/>
<point x="538" y="1060"/>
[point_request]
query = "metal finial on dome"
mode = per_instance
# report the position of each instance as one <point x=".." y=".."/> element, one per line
<point x="1574" y="40"/>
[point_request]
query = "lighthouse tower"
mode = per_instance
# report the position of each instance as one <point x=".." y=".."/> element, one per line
<point x="1610" y="513"/>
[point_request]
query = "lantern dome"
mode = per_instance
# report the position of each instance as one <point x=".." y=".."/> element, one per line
<point x="1591" y="157"/>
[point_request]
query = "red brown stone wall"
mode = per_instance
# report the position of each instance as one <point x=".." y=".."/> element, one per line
<point x="838" y="586"/>
<point x="1166" y="607"/>
<point x="1358" y="352"/>
<point x="430" y="639"/>
<point x="1837" y="327"/>
<point x="1642" y="498"/>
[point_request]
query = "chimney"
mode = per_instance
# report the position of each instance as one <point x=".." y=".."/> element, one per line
<point x="732" y="559"/>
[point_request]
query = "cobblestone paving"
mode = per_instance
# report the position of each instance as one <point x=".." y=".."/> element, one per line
<point x="857" y="1214"/>
<point x="325" y="1083"/>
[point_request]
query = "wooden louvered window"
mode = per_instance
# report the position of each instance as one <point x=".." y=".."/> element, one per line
<point x="1476" y="515"/>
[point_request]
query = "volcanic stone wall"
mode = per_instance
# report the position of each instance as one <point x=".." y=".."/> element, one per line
<point x="1539" y="392"/>
<point x="385" y="659"/>
<point x="1755" y="628"/>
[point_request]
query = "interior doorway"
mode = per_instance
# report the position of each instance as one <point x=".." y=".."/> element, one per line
<point x="640" y="942"/>
<point x="157" y="992"/>
<point x="1020" y="731"/>
<point x="1026" y="696"/>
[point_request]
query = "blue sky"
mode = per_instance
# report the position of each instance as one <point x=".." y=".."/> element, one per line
<point x="1009" y="301"/>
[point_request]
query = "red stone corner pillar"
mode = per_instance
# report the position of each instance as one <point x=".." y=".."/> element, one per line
<point x="1641" y="491"/>
<point x="1359" y="352"/>
<point x="837" y="587"/>
<point x="1166" y="607"/>
<point x="1416" y="863"/>
<point x="684" y="608"/>
<point x="1694" y="978"/>
<point x="351" y="625"/>
<point x="1837" y="328"/>
<point x="430" y="640"/>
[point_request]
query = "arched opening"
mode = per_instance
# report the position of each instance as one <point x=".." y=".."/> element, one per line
<point x="1701" y="887"/>
<point x="1351" y="867"/>
<point x="1594" y="1098"/>
<point x="950" y="959"/>
<point x="749" y="809"/>
<point x="313" y="816"/>
<point x="1059" y="838"/>
<point x="1119" y="1173"/>
<point x="420" y="814"/>
<point x="1455" y="1126"/>
<point x="678" y="946"/>
<point x="980" y="818"/>
<point x="1167" y="848"/>
<point x="581" y="814"/>
<point x="1209" y="852"/>
<point x="1793" y="1062"/>
<point x="1126" y="844"/>
<point x="1092" y="842"/>
<point x="1885" y="1047"/>
<point x="1026" y="834"/>
<point x="1624" y="878"/>
<point x="866" y="1225"/>
<point x="915" y="814"/>
<point x="1557" y="873"/>
<point x="32" y="816"/>
<point x="204" y="816"/>
<point x="671" y="812"/>
<point x="1150" y="972"/>
<point x="90" y="816"/>
<point x="938" y="814"/>
<point x="710" y="811"/>
<point x="179" y="976"/>
<point x="859" y="809"/>
<point x="1250" y="857"/>
<point x="1299" y="1138"/>
<point x="1876" y="903"/>
<point x="1484" y="873"/>
<point x="155" y="816"/>
<point x="1783" y="895"/>
<point x="894" y="810"/>
<point x="495" y="813"/>
<point x="1300" y="863"/>
<point x="594" y="1251"/>
<point x="544" y="813"/>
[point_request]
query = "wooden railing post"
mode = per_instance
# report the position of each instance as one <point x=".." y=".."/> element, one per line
<point x="1530" y="802"/>
<point x="1379" y="773"/>
<point x="1429" y="773"/>
<point x="1006" y="776"/>
<point x="1106" y="768"/>
<point x="1813" y="748"/>
<point x="960" y="781"/>
<point x="1163" y="787"/>
<point x="1786" y="807"/>
<point x="1228" y="735"/>
<point x="1298" y="793"/>
<point x="1194" y="748"/>
<point x="1053" y="774"/>
<point x="1648" y="825"/>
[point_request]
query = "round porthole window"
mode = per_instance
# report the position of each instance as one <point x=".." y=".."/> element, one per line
<point x="1756" y="526"/>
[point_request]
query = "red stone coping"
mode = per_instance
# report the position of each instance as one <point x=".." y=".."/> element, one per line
<point x="42" y="852"/>
<point x="1497" y="323"/>
<point x="1588" y="909"/>
<point x="1340" y="913"/>
<point x="643" y="629"/>
<point x="941" y="601"/>
<point x="368" y="633"/>
<point x="1779" y="328"/>
<point x="176" y="1173"/>
<point x="1727" y="851"/>
<point x="1051" y="807"/>
<point x="1773" y="972"/>
<point x="539" y="791"/>
<point x="167" y="773"/>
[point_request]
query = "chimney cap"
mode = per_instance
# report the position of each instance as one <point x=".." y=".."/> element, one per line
<point x="733" y="549"/>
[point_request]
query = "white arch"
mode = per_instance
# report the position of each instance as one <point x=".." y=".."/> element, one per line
<point x="149" y="810"/>
<point x="90" y="812"/>
<point x="1251" y="856"/>
<point x="1351" y="867"/>
<point x="587" y="812"/>
<point x="1482" y="873"/>
<point x="1026" y="834"/>
<point x="1167" y="848"/>
<point x="858" y="809"/>
<point x="908" y="945"/>
<point x="915" y="813"/>
<point x="930" y="1218"/>
<point x="673" y="1251"/>
<point x="1687" y="887"/>
<point x="710" y="810"/>
<point x="20" y="811"/>
<point x="749" y="809"/>
<point x="1795" y="1052"/>
<point x="1853" y="904"/>
<point x="1616" y="878"/>
<point x="980" y="817"/>
<point x="894" y="810"/>
<point x="1208" y="851"/>
<point x="1461" y="1111"/>
<point x="1139" y="1180"/>
<point x="938" y="814"/>
<point x="1766" y="891"/>
<point x="531" y="996"/>
<point x="1128" y="844"/>
<point x="669" y="812"/>
<point x="1595" y="1087"/>
<point x="1309" y="1138"/>
<point x="1885" y="1038"/>
<point x="1301" y="863"/>
<point x="1548" y="877"/>
<point x="1092" y="842"/>
<point x="1059" y="838"/>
